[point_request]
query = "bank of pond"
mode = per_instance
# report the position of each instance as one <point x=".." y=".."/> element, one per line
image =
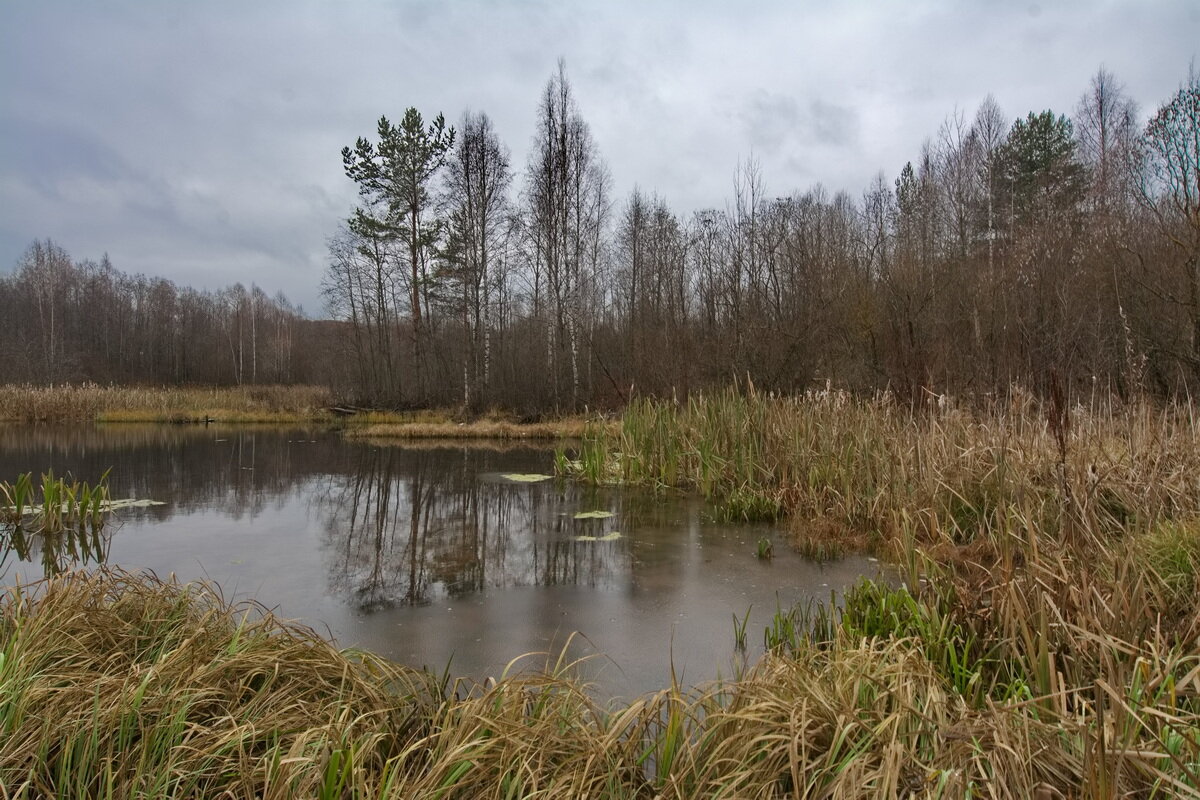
<point x="1034" y="633"/>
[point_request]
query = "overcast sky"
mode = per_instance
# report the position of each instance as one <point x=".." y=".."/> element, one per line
<point x="201" y="140"/>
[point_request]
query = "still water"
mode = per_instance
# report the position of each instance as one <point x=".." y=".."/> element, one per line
<point x="427" y="553"/>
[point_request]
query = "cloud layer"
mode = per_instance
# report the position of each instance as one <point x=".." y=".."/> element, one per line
<point x="200" y="141"/>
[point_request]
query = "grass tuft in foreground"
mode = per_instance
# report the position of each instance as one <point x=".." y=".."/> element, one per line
<point x="114" y="685"/>
<point x="119" y="685"/>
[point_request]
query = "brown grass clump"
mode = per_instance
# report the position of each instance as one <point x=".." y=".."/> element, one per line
<point x="572" y="428"/>
<point x="92" y="402"/>
<point x="868" y="717"/>
<point x="118" y="685"/>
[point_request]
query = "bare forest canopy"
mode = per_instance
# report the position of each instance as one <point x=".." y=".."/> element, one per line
<point x="1009" y="249"/>
<point x="73" y="321"/>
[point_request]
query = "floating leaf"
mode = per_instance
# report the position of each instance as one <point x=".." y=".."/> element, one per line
<point x="526" y="477"/>
<point x="114" y="505"/>
<point x="608" y="537"/>
<point x="105" y="506"/>
<point x="593" y="515"/>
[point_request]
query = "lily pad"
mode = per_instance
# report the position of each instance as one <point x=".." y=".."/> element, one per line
<point x="608" y="537"/>
<point x="593" y="515"/>
<point x="115" y="505"/>
<point x="105" y="506"/>
<point x="526" y="477"/>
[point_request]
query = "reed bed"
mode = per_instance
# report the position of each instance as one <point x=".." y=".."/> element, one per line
<point x="121" y="685"/>
<point x="1042" y="639"/>
<point x="1050" y="554"/>
<point x="92" y="402"/>
<point x="833" y="462"/>
<point x="571" y="428"/>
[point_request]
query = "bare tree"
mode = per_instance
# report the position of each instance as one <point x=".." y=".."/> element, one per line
<point x="480" y="218"/>
<point x="1106" y="127"/>
<point x="567" y="204"/>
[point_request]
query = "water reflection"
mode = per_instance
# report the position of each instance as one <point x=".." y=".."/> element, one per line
<point x="55" y="552"/>
<point x="425" y="552"/>
<point x="239" y="471"/>
<point x="410" y="526"/>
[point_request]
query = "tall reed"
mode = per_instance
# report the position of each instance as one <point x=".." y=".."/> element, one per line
<point x="834" y="462"/>
<point x="1050" y="551"/>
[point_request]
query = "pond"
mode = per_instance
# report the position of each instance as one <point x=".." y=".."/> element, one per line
<point x="430" y="553"/>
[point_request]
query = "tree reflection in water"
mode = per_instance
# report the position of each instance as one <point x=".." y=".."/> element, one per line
<point x="411" y="525"/>
<point x="397" y="525"/>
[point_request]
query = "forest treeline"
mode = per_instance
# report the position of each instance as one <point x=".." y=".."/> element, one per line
<point x="1008" y="250"/>
<point x="73" y="321"/>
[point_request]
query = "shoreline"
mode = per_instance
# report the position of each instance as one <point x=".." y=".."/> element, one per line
<point x="1043" y="641"/>
<point x="263" y="405"/>
<point x="126" y="683"/>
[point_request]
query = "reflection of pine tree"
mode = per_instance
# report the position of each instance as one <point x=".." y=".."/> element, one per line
<point x="400" y="525"/>
<point x="412" y="525"/>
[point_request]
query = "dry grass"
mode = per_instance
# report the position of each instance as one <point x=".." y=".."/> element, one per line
<point x="92" y="402"/>
<point x="121" y="686"/>
<point x="873" y="466"/>
<point x="1048" y="644"/>
<point x="114" y="685"/>
<point x="260" y="404"/>
<point x="1053" y="551"/>
<point x="572" y="428"/>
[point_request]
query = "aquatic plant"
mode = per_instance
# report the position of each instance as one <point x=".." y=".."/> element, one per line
<point x="14" y="497"/>
<point x="764" y="548"/>
<point x="62" y="504"/>
<point x="739" y="629"/>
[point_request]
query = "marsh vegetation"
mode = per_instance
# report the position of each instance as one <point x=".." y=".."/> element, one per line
<point x="1041" y="636"/>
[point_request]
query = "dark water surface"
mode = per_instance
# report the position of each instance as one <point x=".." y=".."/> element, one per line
<point x="426" y="553"/>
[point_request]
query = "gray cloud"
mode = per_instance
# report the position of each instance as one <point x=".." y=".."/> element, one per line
<point x="200" y="141"/>
<point x="774" y="122"/>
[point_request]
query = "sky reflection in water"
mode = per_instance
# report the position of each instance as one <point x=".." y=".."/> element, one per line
<point x="425" y="553"/>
